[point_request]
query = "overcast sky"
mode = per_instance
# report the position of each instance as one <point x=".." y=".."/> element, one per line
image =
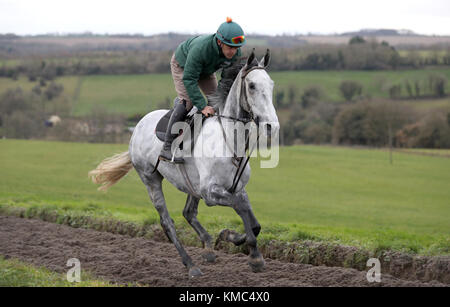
<point x="190" y="16"/>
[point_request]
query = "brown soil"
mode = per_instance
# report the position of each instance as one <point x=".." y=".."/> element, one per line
<point x="123" y="259"/>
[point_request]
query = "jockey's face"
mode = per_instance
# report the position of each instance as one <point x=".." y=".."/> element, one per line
<point x="228" y="51"/>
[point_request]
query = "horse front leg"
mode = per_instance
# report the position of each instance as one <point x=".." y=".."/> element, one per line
<point x="252" y="228"/>
<point x="217" y="195"/>
<point x="241" y="204"/>
<point x="239" y="238"/>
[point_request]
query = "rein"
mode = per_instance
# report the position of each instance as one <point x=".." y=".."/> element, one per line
<point x="244" y="120"/>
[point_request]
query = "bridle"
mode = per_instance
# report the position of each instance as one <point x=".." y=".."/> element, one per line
<point x="243" y="102"/>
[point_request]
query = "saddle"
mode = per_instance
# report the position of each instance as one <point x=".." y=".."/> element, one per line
<point x="161" y="126"/>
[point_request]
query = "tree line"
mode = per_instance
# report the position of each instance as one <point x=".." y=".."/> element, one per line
<point x="27" y="115"/>
<point x="360" y="120"/>
<point x="312" y="120"/>
<point x="356" y="55"/>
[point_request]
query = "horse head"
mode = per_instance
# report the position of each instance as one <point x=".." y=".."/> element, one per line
<point x="256" y="92"/>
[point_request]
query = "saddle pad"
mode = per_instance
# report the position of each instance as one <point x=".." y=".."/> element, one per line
<point x="161" y="127"/>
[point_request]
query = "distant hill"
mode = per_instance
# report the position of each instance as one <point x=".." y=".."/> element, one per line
<point x="13" y="46"/>
<point x="380" y="32"/>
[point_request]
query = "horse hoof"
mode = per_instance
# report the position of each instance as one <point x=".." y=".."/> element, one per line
<point x="222" y="237"/>
<point x="209" y="256"/>
<point x="256" y="264"/>
<point x="194" y="272"/>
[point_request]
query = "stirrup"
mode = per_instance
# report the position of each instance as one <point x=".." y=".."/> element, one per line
<point x="173" y="160"/>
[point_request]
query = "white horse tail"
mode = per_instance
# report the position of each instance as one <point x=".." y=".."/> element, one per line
<point x="111" y="170"/>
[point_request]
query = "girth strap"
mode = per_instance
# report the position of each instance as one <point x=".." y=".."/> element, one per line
<point x="183" y="172"/>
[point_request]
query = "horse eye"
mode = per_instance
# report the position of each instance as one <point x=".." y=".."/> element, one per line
<point x="252" y="86"/>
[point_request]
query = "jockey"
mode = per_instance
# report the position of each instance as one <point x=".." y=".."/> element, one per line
<point x="193" y="67"/>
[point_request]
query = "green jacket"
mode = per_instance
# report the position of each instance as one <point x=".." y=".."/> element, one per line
<point x="200" y="56"/>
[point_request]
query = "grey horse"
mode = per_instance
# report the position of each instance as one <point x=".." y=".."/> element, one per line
<point x="209" y="172"/>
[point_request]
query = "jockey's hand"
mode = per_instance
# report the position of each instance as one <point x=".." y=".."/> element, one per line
<point x="208" y="111"/>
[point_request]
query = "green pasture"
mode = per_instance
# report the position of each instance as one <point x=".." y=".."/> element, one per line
<point x="128" y="94"/>
<point x="349" y="196"/>
<point x="139" y="94"/>
<point x="375" y="83"/>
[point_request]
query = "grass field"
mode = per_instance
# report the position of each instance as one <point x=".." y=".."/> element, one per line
<point x="132" y="94"/>
<point x="375" y="83"/>
<point x="15" y="273"/>
<point x="425" y="151"/>
<point x="349" y="196"/>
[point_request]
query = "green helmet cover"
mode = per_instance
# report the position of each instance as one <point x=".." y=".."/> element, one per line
<point x="228" y="30"/>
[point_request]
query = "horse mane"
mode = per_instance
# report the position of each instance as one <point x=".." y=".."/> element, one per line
<point x="227" y="78"/>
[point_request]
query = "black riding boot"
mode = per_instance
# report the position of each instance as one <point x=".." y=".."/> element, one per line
<point x="178" y="114"/>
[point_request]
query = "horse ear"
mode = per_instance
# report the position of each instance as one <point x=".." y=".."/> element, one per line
<point x="251" y="57"/>
<point x="266" y="60"/>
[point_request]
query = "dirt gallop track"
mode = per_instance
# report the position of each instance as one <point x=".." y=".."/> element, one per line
<point x="123" y="260"/>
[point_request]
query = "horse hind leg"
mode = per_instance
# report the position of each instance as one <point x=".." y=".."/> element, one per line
<point x="190" y="213"/>
<point x="154" y="188"/>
